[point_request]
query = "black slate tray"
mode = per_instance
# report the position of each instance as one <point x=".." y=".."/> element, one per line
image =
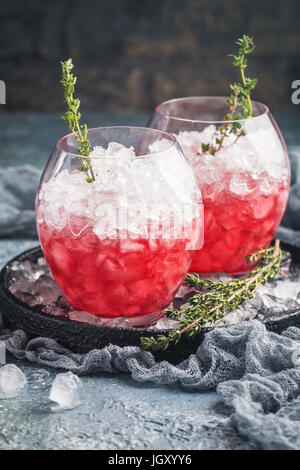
<point x="82" y="337"/>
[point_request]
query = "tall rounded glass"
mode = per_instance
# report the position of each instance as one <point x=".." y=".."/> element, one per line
<point x="244" y="184"/>
<point x="120" y="246"/>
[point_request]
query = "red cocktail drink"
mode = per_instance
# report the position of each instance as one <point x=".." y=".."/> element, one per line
<point x="235" y="227"/>
<point x="121" y="245"/>
<point x="114" y="278"/>
<point x="244" y="182"/>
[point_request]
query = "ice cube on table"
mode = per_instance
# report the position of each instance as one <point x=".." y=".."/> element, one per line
<point x="66" y="390"/>
<point x="12" y="381"/>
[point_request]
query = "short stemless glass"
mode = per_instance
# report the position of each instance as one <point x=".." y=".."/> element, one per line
<point x="120" y="246"/>
<point x="244" y="185"/>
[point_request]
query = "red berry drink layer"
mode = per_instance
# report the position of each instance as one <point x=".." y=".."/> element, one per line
<point x="235" y="227"/>
<point x="113" y="278"/>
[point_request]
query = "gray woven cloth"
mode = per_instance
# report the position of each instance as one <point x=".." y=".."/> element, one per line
<point x="289" y="231"/>
<point x="18" y="187"/>
<point x="256" y="373"/>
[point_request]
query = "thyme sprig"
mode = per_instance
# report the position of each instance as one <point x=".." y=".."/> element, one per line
<point x="216" y="298"/>
<point x="72" y="118"/>
<point x="239" y="100"/>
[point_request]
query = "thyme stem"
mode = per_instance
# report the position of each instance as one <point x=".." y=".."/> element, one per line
<point x="238" y="99"/>
<point x="251" y="281"/>
<point x="72" y="118"/>
<point x="245" y="85"/>
<point x="220" y="298"/>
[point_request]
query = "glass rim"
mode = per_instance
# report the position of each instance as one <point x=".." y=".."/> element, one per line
<point x="208" y="121"/>
<point x="140" y="128"/>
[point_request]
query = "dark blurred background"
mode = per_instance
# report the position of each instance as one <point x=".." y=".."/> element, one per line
<point x="132" y="54"/>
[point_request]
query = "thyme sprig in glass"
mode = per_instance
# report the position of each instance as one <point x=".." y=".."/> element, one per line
<point x="217" y="298"/>
<point x="72" y="118"/>
<point x="239" y="101"/>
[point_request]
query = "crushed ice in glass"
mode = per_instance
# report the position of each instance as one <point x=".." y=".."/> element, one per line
<point x="260" y="147"/>
<point x="32" y="283"/>
<point x="124" y="181"/>
<point x="66" y="390"/>
<point x="12" y="381"/>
